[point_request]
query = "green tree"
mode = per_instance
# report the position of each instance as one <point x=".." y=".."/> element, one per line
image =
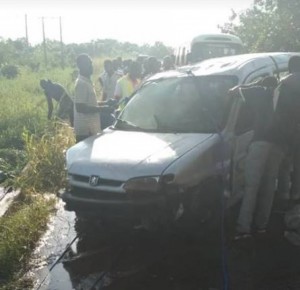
<point x="268" y="25"/>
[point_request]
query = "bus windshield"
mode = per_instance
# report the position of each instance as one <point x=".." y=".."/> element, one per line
<point x="205" y="46"/>
<point x="201" y="51"/>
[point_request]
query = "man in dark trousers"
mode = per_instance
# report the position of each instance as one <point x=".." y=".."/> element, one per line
<point x="259" y="97"/>
<point x="55" y="91"/>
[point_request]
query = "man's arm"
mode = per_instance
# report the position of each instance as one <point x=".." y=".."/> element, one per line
<point x="100" y="81"/>
<point x="50" y="106"/>
<point x="82" y="107"/>
<point x="81" y="95"/>
<point x="118" y="91"/>
<point x="247" y="93"/>
<point x="86" y="109"/>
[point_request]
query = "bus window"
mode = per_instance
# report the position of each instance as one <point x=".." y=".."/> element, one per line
<point x="207" y="46"/>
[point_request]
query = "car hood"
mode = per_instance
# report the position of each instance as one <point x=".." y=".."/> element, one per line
<point x="121" y="155"/>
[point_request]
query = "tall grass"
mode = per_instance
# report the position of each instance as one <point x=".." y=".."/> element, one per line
<point x="27" y="137"/>
<point x="44" y="171"/>
<point x="18" y="234"/>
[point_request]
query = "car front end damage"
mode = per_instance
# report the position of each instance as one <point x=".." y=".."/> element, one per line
<point x="150" y="197"/>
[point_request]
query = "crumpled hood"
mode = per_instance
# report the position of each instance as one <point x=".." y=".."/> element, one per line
<point x="121" y="155"/>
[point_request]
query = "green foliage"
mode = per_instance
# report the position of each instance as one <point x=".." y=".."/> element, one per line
<point x="19" y="232"/>
<point x="10" y="71"/>
<point x="269" y="25"/>
<point x="12" y="161"/>
<point x="44" y="171"/>
<point x="18" y="52"/>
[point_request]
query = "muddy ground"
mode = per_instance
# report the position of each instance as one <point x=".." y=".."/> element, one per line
<point x="177" y="259"/>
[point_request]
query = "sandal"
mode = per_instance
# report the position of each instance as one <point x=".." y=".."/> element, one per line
<point x="242" y="236"/>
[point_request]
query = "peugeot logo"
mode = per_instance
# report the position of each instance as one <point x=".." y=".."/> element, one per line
<point x="94" y="179"/>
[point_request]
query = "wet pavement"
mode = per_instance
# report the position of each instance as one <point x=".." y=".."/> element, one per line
<point x="176" y="259"/>
<point x="7" y="196"/>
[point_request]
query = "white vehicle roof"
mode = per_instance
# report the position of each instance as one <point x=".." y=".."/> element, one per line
<point x="244" y="66"/>
<point x="217" y="38"/>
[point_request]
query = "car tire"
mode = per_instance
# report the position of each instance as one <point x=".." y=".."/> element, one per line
<point x="203" y="205"/>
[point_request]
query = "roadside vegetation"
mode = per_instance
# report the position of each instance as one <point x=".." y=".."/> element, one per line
<point x="32" y="158"/>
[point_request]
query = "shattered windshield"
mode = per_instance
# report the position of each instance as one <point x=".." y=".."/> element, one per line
<point x="182" y="104"/>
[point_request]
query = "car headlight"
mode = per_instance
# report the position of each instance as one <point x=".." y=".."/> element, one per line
<point x="149" y="184"/>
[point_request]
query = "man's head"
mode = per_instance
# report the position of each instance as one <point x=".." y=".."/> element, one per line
<point x="85" y="65"/>
<point x="294" y="64"/>
<point x="167" y="63"/>
<point x="108" y="66"/>
<point x="135" y="70"/>
<point x="120" y="62"/>
<point x="153" y="65"/>
<point x="46" y="85"/>
<point x="43" y="84"/>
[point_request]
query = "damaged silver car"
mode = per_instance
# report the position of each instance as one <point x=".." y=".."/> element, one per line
<point x="177" y="149"/>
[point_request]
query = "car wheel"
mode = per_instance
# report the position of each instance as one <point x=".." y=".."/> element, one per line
<point x="203" y="204"/>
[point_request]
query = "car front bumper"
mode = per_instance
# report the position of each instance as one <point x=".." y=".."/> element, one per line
<point x="120" y="206"/>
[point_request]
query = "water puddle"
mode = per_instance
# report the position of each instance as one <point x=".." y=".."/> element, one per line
<point x="6" y="199"/>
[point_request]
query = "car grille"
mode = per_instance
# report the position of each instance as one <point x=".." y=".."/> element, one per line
<point x="106" y="195"/>
<point x="97" y="194"/>
<point x="101" y="181"/>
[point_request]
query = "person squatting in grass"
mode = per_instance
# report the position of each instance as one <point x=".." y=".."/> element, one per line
<point x="55" y="91"/>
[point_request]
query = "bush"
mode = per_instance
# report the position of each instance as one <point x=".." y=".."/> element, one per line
<point x="12" y="161"/>
<point x="45" y="171"/>
<point x="10" y="71"/>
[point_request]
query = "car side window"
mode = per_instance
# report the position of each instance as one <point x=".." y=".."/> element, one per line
<point x="258" y="78"/>
<point x="245" y="120"/>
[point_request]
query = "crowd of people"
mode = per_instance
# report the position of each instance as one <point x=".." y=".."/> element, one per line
<point x="274" y="150"/>
<point x="118" y="81"/>
<point x="121" y="78"/>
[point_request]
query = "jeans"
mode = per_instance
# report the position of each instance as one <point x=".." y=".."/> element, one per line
<point x="295" y="190"/>
<point x="261" y="171"/>
<point x="284" y="178"/>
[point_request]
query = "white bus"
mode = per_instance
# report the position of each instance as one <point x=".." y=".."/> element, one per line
<point x="205" y="46"/>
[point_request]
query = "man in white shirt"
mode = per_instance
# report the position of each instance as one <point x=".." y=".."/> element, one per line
<point x="86" y="109"/>
<point x="108" y="80"/>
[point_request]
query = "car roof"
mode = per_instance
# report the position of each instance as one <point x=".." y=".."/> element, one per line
<point x="238" y="65"/>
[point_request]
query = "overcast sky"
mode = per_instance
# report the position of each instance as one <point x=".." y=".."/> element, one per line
<point x="140" y="21"/>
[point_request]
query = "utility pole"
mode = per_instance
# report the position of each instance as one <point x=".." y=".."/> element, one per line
<point x="61" y="45"/>
<point x="44" y="43"/>
<point x="26" y="30"/>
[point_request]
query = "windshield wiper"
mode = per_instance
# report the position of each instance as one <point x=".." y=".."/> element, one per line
<point x="127" y="125"/>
